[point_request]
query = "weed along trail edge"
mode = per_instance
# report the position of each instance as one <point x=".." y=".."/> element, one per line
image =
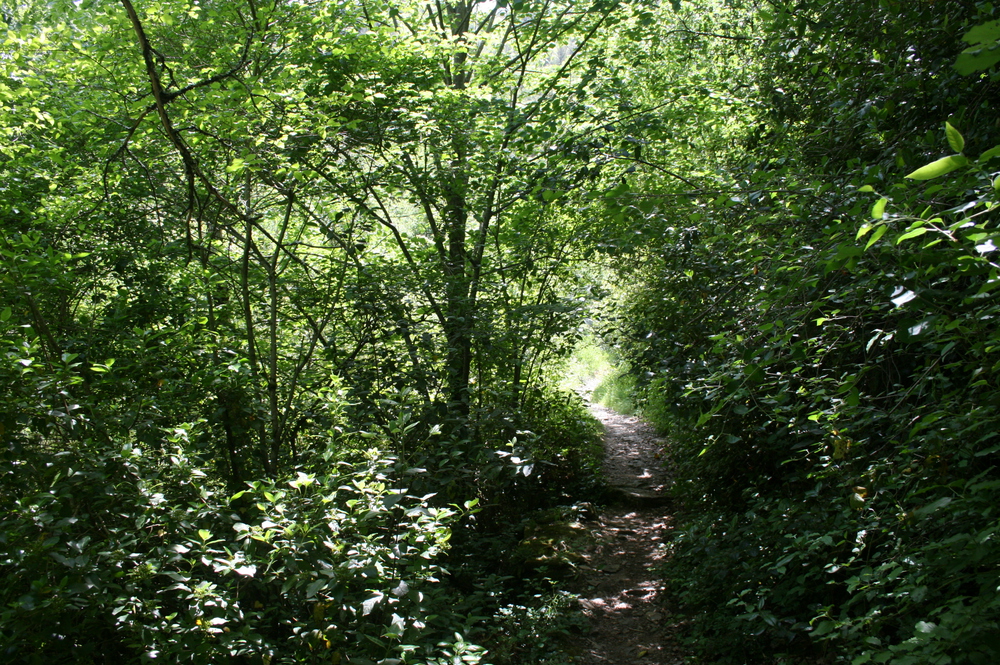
<point x="619" y="587"/>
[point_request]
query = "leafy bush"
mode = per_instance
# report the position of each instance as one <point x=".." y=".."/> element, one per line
<point x="124" y="553"/>
<point x="538" y="632"/>
<point x="846" y="452"/>
<point x="821" y="348"/>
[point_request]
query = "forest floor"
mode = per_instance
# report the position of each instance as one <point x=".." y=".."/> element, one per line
<point x="618" y="586"/>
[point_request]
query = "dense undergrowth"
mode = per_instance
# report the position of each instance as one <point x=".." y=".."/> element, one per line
<point x="120" y="552"/>
<point x="822" y="349"/>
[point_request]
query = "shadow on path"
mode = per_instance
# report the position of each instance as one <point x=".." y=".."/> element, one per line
<point x="619" y="589"/>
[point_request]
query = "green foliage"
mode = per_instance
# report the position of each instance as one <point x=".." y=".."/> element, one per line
<point x="844" y="450"/>
<point x="819" y="344"/>
<point x="552" y="455"/>
<point x="593" y="371"/>
<point x="617" y="392"/>
<point x="282" y="281"/>
<point x="984" y="51"/>
<point x="564" y="439"/>
<point x="133" y="554"/>
<point x="285" y="282"/>
<point x="540" y="632"/>
<point x="586" y="366"/>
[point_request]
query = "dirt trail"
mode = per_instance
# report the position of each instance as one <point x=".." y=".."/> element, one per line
<point x="619" y="592"/>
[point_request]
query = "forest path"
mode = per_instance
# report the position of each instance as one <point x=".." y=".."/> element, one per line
<point x="618" y="587"/>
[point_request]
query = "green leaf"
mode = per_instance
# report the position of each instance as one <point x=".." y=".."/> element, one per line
<point x="911" y="234"/>
<point x="934" y="507"/>
<point x="879" y="232"/>
<point x="984" y="51"/>
<point x="204" y="534"/>
<point x="878" y="210"/>
<point x="989" y="154"/>
<point x="823" y="628"/>
<point x="5" y="314"/>
<point x="369" y="605"/>
<point x="976" y="59"/>
<point x="853" y="397"/>
<point x="939" y="168"/>
<point x="984" y="33"/>
<point x="866" y="188"/>
<point x="955" y="139"/>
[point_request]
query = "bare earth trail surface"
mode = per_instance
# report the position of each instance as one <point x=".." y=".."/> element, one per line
<point x="618" y="587"/>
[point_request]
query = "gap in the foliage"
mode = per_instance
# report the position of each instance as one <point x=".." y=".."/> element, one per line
<point x="598" y="374"/>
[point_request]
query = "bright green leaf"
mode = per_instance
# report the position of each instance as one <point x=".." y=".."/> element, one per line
<point x="204" y="534"/>
<point x="878" y="210"/>
<point x="911" y="234"/>
<point x="879" y="232"/>
<point x="939" y="168"/>
<point x="866" y="188"/>
<point x="983" y="52"/>
<point x="955" y="139"/>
